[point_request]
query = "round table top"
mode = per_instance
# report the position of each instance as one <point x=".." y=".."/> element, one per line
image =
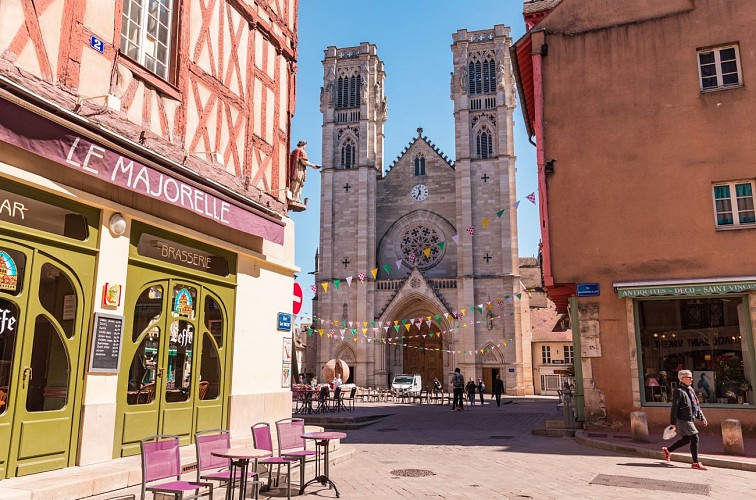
<point x="241" y="452"/>
<point x="325" y="436"/>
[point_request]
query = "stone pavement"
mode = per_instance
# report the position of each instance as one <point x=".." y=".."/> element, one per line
<point x="489" y="452"/>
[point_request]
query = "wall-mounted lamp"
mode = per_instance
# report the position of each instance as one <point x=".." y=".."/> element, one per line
<point x="117" y="224"/>
<point x="550" y="165"/>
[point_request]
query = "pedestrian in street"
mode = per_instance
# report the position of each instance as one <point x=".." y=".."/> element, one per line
<point x="498" y="388"/>
<point x="684" y="409"/>
<point x="457" y="382"/>
<point x="337" y="382"/>
<point x="481" y="390"/>
<point x="471" y="389"/>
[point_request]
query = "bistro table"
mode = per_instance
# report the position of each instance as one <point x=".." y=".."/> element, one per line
<point x="240" y="458"/>
<point x="321" y="444"/>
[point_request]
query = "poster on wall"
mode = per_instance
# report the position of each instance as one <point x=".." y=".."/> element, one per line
<point x="286" y="375"/>
<point x="286" y="354"/>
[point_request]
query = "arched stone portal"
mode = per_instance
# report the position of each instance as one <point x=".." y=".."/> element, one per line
<point x="423" y="355"/>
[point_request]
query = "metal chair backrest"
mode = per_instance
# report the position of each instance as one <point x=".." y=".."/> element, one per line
<point x="261" y="436"/>
<point x="324" y="393"/>
<point x="206" y="442"/>
<point x="160" y="458"/>
<point x="289" y="431"/>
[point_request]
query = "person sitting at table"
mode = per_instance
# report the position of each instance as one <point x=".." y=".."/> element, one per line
<point x="314" y="382"/>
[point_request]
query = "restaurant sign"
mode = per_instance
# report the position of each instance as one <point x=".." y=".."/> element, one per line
<point x="38" y="135"/>
<point x="698" y="289"/>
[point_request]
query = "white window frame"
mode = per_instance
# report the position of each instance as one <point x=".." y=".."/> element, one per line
<point x="545" y="354"/>
<point x="144" y="38"/>
<point x="734" y="204"/>
<point x="571" y="358"/>
<point x="718" y="67"/>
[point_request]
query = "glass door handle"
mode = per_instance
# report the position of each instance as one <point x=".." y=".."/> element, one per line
<point x="27" y="370"/>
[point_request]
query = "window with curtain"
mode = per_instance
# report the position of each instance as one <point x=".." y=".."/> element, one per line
<point x="733" y="204"/>
<point x="146" y="33"/>
<point x="484" y="143"/>
<point x="420" y="165"/>
<point x="348" y="153"/>
<point x="348" y="92"/>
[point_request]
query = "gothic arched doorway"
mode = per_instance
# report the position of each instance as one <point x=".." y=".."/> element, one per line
<point x="422" y="354"/>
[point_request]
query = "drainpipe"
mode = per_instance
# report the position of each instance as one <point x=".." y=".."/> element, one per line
<point x="577" y="362"/>
<point x="538" y="40"/>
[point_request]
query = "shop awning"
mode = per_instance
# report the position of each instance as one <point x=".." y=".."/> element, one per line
<point x="698" y="286"/>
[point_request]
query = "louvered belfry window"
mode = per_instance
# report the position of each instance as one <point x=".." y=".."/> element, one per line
<point x="482" y="76"/>
<point x="348" y="92"/>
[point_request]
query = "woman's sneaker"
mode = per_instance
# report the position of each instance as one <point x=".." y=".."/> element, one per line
<point x="667" y="454"/>
<point x="697" y="466"/>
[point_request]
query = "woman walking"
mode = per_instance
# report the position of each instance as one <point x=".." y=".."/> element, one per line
<point x="471" y="390"/>
<point x="685" y="408"/>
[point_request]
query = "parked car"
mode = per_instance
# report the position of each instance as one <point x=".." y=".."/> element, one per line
<point x="407" y="383"/>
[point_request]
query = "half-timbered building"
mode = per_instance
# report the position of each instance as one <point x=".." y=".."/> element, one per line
<point x="143" y="209"/>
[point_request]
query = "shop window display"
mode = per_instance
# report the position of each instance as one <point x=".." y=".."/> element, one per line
<point x="702" y="335"/>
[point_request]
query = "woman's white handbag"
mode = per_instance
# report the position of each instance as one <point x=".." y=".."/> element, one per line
<point x="669" y="433"/>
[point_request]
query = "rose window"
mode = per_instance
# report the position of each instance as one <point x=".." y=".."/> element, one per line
<point x="419" y="246"/>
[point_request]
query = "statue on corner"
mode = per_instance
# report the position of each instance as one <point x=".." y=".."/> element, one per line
<point x="298" y="163"/>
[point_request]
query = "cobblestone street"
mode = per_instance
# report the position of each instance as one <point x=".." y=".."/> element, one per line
<point x="489" y="452"/>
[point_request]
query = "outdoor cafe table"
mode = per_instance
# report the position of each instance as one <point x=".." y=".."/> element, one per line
<point x="240" y="458"/>
<point x="321" y="444"/>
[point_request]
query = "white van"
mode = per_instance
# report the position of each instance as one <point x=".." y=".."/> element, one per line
<point x="407" y="383"/>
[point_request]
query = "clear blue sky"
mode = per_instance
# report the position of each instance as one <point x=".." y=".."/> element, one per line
<point x="413" y="39"/>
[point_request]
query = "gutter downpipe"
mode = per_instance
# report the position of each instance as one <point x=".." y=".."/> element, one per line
<point x="538" y="40"/>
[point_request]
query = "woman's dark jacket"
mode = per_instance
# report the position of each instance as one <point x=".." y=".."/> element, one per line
<point x="682" y="406"/>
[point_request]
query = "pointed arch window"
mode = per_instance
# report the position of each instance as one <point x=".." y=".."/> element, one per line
<point x="482" y="76"/>
<point x="348" y="92"/>
<point x="420" y="165"/>
<point x="348" y="153"/>
<point x="484" y="143"/>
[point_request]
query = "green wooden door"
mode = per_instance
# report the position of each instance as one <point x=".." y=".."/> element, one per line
<point x="45" y="322"/>
<point x="173" y="374"/>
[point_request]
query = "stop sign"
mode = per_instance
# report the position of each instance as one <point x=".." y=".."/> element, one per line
<point x="297" y="298"/>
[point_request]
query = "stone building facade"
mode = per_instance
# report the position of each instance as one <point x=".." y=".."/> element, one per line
<point x="414" y="220"/>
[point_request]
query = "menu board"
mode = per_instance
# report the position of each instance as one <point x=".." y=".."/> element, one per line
<point x="106" y="344"/>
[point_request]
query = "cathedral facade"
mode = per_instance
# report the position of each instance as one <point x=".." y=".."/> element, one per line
<point x="422" y="263"/>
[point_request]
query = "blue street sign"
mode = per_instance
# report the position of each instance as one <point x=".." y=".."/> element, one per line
<point x="284" y="322"/>
<point x="97" y="44"/>
<point x="588" y="290"/>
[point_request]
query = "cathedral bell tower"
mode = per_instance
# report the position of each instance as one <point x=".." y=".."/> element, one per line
<point x="482" y="88"/>
<point x="354" y="111"/>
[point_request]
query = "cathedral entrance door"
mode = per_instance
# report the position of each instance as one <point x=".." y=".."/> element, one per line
<point x="423" y="356"/>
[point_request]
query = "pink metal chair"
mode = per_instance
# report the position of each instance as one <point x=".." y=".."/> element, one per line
<point x="263" y="441"/>
<point x="292" y="444"/>
<point x="208" y="441"/>
<point x="160" y="460"/>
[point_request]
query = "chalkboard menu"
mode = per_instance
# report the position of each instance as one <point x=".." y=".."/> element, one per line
<point x="106" y="344"/>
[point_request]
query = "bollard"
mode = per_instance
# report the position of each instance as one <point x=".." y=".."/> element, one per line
<point x="639" y="426"/>
<point x="732" y="437"/>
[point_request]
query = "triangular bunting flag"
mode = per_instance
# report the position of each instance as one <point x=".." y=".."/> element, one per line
<point x="441" y="244"/>
<point x="456" y="239"/>
<point x="500" y="213"/>
<point x="531" y="198"/>
<point x="336" y="283"/>
<point x="426" y="252"/>
<point x="399" y="264"/>
<point x="349" y="281"/>
<point x="325" y="286"/>
<point x="387" y="268"/>
<point x="314" y="289"/>
<point x="485" y="222"/>
<point x="374" y="272"/>
<point x="516" y="204"/>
